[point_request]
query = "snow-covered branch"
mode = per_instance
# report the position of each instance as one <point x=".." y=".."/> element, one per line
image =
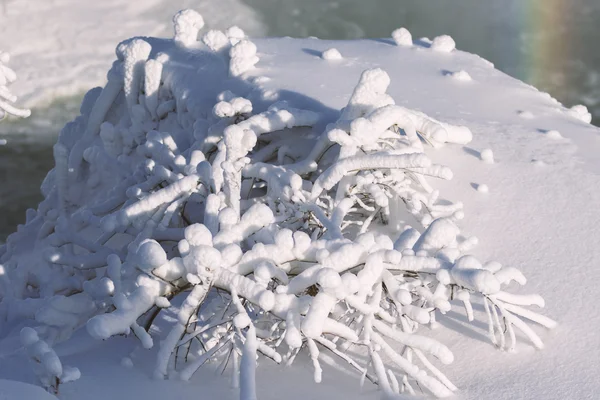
<point x="8" y="76"/>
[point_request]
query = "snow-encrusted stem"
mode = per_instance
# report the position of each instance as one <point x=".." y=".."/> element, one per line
<point x="336" y="172"/>
<point x="10" y="109"/>
<point x="331" y="347"/>
<point x="436" y="387"/>
<point x="8" y="76"/>
<point x="103" y="103"/>
<point x="426" y="344"/>
<point x="202" y="329"/>
<point x="188" y="308"/>
<point x="186" y="24"/>
<point x="238" y="143"/>
<point x="119" y="321"/>
<point x="435" y="132"/>
<point x="248" y="366"/>
<point x="193" y="366"/>
<point x="61" y="167"/>
<point x="49" y="368"/>
<point x="166" y="195"/>
<point x="278" y="118"/>
<point x="256" y="217"/>
<point x="152" y="79"/>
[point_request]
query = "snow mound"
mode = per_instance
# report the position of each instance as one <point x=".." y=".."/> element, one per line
<point x="487" y="156"/>
<point x="554" y="134"/>
<point x="402" y="37"/>
<point x="331" y="54"/>
<point x="482" y="188"/>
<point x="443" y="44"/>
<point x="14" y="390"/>
<point x="127" y="362"/>
<point x="461" y="75"/>
<point x="581" y="113"/>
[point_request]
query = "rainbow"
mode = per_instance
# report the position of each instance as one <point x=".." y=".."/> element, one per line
<point x="549" y="42"/>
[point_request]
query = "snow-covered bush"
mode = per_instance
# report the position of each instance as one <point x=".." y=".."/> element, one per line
<point x="179" y="188"/>
<point x="8" y="76"/>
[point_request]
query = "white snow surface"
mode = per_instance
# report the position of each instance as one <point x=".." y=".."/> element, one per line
<point x="15" y="390"/>
<point x="541" y="218"/>
<point x="69" y="53"/>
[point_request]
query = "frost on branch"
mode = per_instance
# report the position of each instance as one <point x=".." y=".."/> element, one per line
<point x="243" y="57"/>
<point x="45" y="362"/>
<point x="187" y="24"/>
<point x="177" y="189"/>
<point x="8" y="76"/>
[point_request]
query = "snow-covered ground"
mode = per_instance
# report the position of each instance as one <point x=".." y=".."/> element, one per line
<point x="539" y="212"/>
<point x="14" y="390"/>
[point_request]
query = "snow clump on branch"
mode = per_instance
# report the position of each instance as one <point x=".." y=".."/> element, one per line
<point x="8" y="76"/>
